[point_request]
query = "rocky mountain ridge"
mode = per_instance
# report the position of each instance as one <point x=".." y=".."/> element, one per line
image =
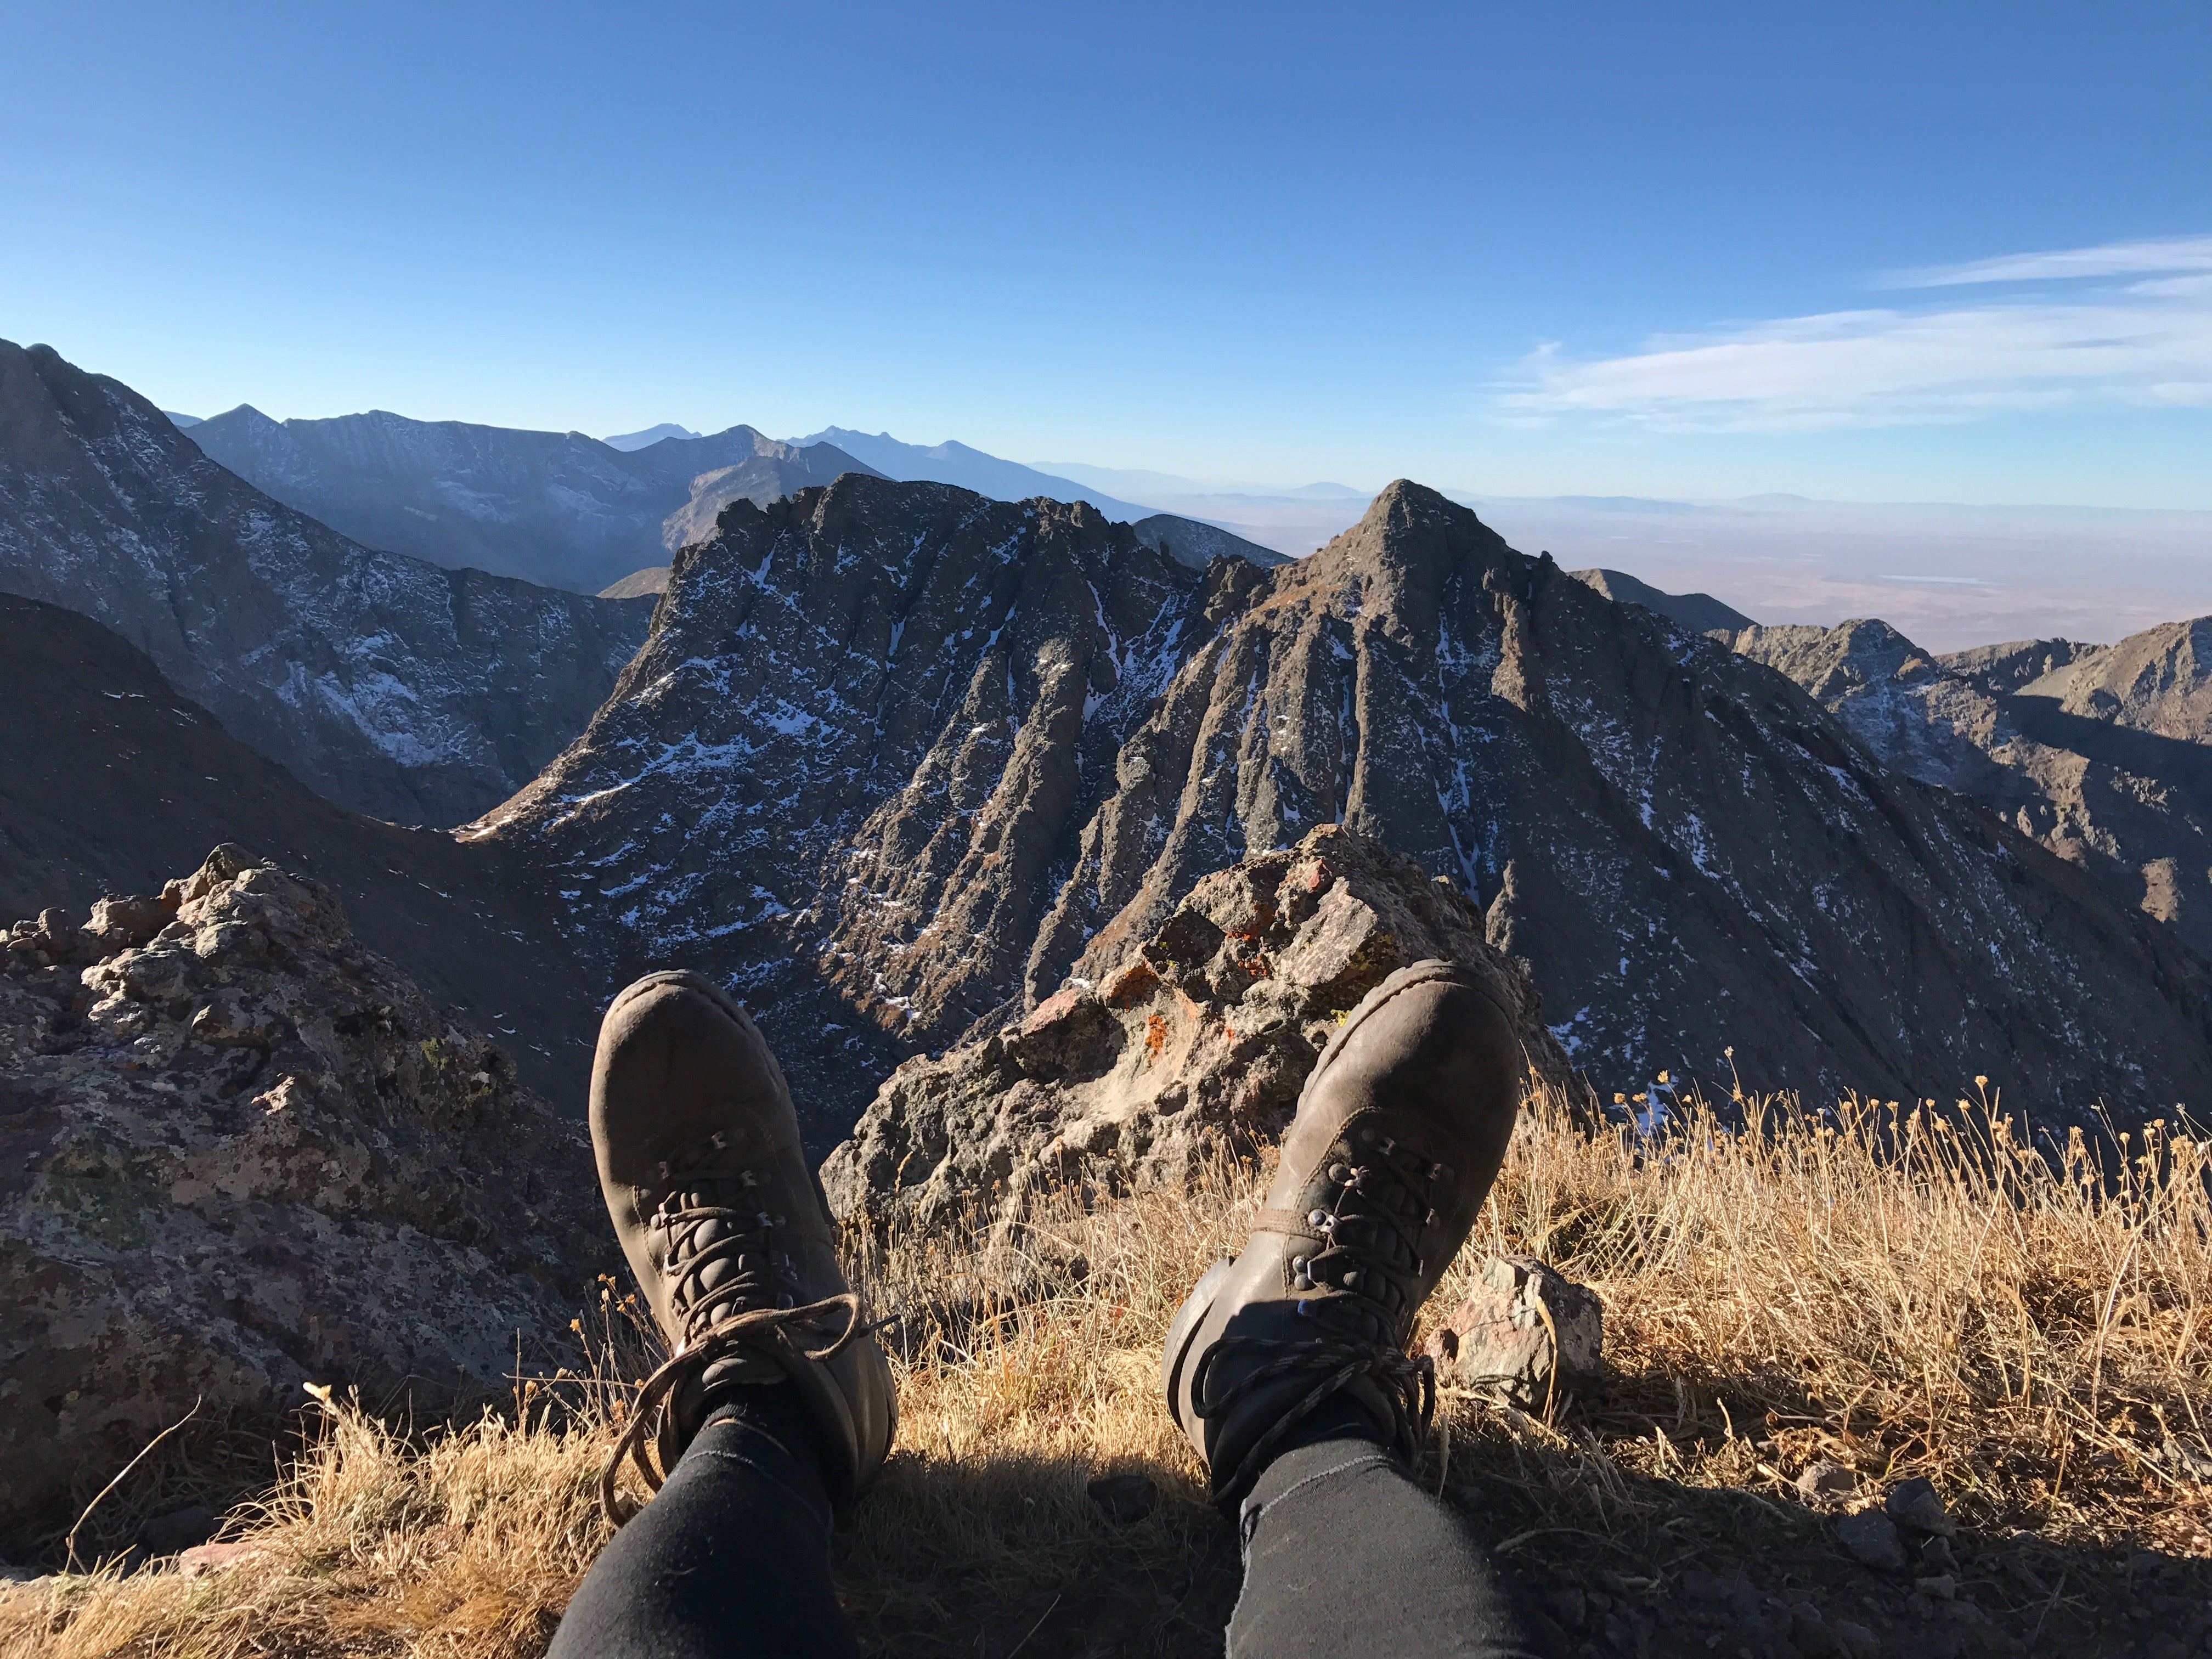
<point x="864" y="712"/>
<point x="388" y="685"/>
<point x="557" y="509"/>
<point x="900" y="761"/>
<point x="2098" y="752"/>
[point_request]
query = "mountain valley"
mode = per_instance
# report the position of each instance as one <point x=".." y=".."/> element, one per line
<point x="388" y="685"/>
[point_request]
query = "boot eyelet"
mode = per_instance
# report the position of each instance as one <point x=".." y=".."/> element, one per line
<point x="1317" y="1218"/>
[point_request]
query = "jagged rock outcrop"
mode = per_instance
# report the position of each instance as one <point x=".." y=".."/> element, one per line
<point x="856" y="753"/>
<point x="1197" y="1048"/>
<point x="388" y="685"/>
<point x="2131" y="803"/>
<point x="242" y="1153"/>
<point x="555" y="508"/>
<point x="1688" y="850"/>
<point x="900" y="761"/>
<point x="2158" y="681"/>
<point x="110" y="782"/>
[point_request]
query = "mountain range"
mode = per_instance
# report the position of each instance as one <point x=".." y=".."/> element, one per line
<point x="553" y="507"/>
<point x="897" y="759"/>
<point x="385" y="683"/>
<point x="970" y="469"/>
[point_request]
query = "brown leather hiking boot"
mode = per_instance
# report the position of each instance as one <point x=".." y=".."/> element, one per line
<point x="726" y="1227"/>
<point x="1399" y="1133"/>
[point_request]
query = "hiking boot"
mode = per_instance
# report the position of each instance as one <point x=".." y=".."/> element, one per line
<point x="726" y="1227"/>
<point x="1399" y="1133"/>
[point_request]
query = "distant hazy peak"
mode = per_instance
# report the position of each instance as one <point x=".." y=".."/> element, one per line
<point x="968" y="468"/>
<point x="1196" y="543"/>
<point x="180" y="422"/>
<point x="1701" y="613"/>
<point x="651" y="434"/>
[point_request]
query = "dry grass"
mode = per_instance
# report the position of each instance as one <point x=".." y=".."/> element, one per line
<point x="1907" y="1295"/>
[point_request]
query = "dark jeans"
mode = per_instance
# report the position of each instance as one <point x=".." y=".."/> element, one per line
<point x="1343" y="1555"/>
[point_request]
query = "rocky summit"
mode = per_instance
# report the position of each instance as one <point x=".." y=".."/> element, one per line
<point x="1196" y="1048"/>
<point x="900" y="762"/>
<point x="849" y="769"/>
<point x="387" y="683"/>
<point x="241" y="1154"/>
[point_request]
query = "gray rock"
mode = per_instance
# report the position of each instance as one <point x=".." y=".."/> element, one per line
<point x="342" y="1187"/>
<point x="1525" y="1332"/>
<point x="1812" y="1636"/>
<point x="1914" y="1504"/>
<point x="1858" y="1641"/>
<point x="2185" y="1460"/>
<point x="1870" y="1537"/>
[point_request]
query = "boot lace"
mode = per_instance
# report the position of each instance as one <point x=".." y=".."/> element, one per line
<point x="1362" y="1285"/>
<point x="747" y="1308"/>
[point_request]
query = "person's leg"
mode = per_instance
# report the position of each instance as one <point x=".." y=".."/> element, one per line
<point x="775" y="1408"/>
<point x="1287" y="1366"/>
<point x="730" y="1558"/>
<point x="1345" y="1555"/>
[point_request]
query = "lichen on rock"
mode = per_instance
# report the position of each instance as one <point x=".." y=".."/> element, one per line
<point x="238" y="1153"/>
<point x="1195" y="1043"/>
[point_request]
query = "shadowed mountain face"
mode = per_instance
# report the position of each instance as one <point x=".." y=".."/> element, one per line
<point x="388" y="685"/>
<point x="555" y="508"/>
<point x="1197" y="544"/>
<point x="110" y="782"/>
<point x="899" y="760"/>
<point x="2097" y="751"/>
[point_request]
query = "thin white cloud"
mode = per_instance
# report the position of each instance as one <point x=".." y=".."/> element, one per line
<point x="2111" y="259"/>
<point x="2145" y="342"/>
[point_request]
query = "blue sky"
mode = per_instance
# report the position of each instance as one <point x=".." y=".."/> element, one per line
<point x="1681" y="250"/>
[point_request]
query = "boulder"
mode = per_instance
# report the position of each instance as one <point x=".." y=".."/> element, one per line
<point x="1194" y="1045"/>
<point x="1526" y="1332"/>
<point x="244" y="1154"/>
